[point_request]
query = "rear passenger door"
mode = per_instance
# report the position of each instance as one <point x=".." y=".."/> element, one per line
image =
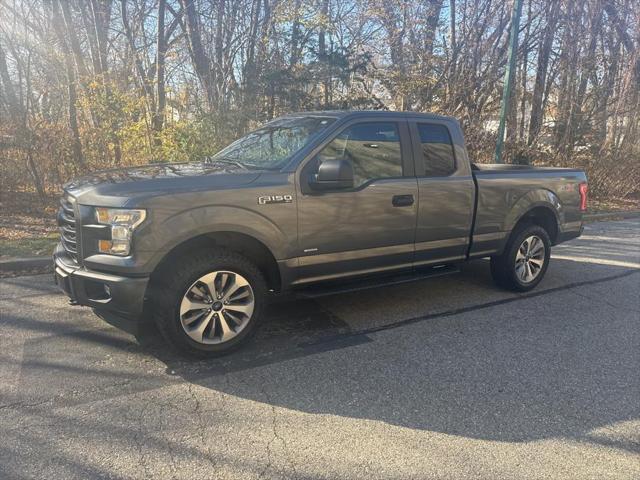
<point x="369" y="227"/>
<point x="445" y="191"/>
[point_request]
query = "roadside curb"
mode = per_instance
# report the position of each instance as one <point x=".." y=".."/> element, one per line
<point x="604" y="216"/>
<point x="45" y="264"/>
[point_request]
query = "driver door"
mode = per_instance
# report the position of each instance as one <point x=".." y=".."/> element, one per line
<point x="371" y="226"/>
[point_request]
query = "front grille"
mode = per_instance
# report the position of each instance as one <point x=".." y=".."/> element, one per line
<point x="67" y="228"/>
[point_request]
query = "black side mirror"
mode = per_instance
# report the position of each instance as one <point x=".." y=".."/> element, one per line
<point x="333" y="175"/>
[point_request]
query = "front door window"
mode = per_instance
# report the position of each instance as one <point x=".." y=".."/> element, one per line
<point x="372" y="148"/>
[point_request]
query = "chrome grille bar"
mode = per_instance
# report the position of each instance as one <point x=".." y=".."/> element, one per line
<point x="67" y="228"/>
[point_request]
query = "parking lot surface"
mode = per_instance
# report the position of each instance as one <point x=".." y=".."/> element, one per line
<point x="443" y="378"/>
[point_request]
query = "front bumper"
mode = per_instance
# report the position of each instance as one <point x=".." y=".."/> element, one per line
<point x="110" y="295"/>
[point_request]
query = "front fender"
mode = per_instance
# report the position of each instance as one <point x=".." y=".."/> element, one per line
<point x="189" y="224"/>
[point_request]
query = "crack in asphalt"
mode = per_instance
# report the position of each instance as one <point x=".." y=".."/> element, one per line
<point x="167" y="407"/>
<point x="138" y="440"/>
<point x="276" y="436"/>
<point x="197" y="411"/>
<point x="58" y="401"/>
<point x="20" y="405"/>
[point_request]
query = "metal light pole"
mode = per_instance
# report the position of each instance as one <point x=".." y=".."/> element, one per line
<point x="509" y="75"/>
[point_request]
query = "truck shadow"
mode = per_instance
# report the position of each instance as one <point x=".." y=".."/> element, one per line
<point x="453" y="354"/>
<point x="512" y="368"/>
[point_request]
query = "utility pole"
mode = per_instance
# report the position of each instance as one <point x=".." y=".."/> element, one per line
<point x="509" y="75"/>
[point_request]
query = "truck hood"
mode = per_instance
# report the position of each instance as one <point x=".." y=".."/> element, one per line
<point x="125" y="186"/>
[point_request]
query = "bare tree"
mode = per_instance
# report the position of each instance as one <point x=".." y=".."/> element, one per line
<point x="89" y="84"/>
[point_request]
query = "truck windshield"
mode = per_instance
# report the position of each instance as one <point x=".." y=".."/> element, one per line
<point x="272" y="145"/>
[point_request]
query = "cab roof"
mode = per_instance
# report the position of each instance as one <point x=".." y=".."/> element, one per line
<point x="368" y="113"/>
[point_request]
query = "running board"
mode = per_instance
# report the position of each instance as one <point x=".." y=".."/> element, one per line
<point x="333" y="288"/>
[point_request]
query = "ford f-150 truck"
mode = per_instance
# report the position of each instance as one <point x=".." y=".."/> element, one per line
<point x="311" y="203"/>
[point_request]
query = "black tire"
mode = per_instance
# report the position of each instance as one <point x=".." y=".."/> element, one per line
<point x="503" y="267"/>
<point x="168" y="294"/>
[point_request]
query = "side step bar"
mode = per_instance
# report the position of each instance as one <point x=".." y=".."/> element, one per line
<point x="333" y="288"/>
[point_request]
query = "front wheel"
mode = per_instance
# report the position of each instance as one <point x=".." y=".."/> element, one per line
<point x="524" y="261"/>
<point x="210" y="303"/>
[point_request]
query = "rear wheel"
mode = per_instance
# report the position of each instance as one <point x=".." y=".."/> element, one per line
<point x="524" y="261"/>
<point x="210" y="303"/>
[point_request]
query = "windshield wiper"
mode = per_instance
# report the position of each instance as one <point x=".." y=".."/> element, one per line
<point x="228" y="162"/>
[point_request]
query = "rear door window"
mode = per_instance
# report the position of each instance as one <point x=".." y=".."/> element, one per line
<point x="437" y="151"/>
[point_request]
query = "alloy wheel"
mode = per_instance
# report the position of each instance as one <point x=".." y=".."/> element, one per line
<point x="217" y="307"/>
<point x="530" y="259"/>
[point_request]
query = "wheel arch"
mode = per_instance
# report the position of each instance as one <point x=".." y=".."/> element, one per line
<point x="542" y="215"/>
<point x="540" y="207"/>
<point x="242" y="243"/>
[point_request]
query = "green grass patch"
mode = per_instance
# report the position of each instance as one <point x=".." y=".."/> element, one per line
<point x="29" y="247"/>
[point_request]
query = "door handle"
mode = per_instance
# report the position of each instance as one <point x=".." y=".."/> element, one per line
<point x="402" y="200"/>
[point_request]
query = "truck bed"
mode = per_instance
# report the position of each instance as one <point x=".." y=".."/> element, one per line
<point x="506" y="192"/>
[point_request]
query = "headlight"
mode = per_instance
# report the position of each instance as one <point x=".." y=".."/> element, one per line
<point x="123" y="222"/>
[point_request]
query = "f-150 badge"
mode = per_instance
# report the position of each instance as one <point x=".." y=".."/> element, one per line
<point x="267" y="199"/>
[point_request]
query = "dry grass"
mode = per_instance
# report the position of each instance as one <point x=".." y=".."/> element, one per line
<point x="27" y="225"/>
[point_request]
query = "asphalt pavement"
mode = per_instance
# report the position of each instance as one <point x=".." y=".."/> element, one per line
<point x="449" y="377"/>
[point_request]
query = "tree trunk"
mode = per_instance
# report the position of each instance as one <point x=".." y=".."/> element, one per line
<point x="322" y="54"/>
<point x="9" y="92"/>
<point x="294" y="57"/>
<point x="101" y="12"/>
<point x="567" y="93"/>
<point x="544" y="52"/>
<point x="395" y="39"/>
<point x="78" y="55"/>
<point x="71" y="87"/>
<point x="295" y="35"/>
<point x="201" y="63"/>
<point x="453" y="62"/>
<point x="432" y="20"/>
<point x="523" y="72"/>
<point x="219" y="57"/>
<point x="146" y="87"/>
<point x="158" y="118"/>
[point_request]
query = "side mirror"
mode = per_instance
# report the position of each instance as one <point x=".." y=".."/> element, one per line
<point x="333" y="175"/>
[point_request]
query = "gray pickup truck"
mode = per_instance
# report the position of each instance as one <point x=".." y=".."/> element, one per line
<point x="311" y="203"/>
